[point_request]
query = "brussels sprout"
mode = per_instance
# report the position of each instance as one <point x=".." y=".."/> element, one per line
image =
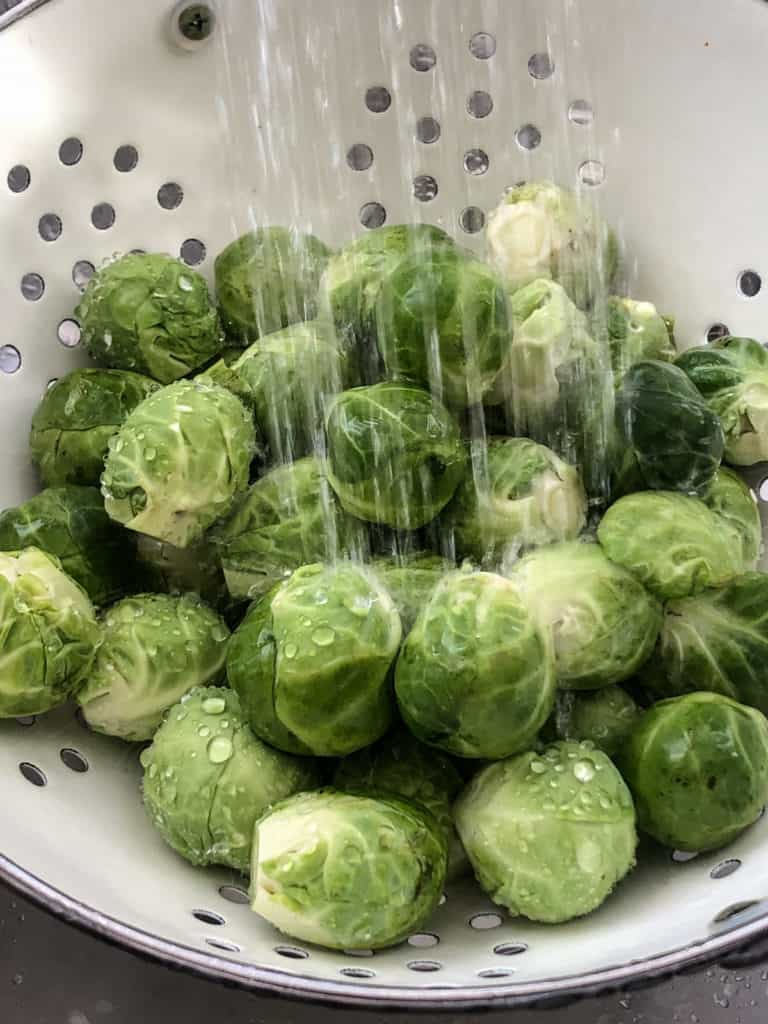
<point x="286" y="377"/>
<point x="605" y="717"/>
<point x="178" y="461"/>
<point x="676" y="438"/>
<point x="697" y="767"/>
<point x="735" y="502"/>
<point x="410" y="579"/>
<point x="399" y="764"/>
<point x="70" y="523"/>
<point x="76" y="418"/>
<point x="347" y="871"/>
<point x="150" y="313"/>
<point x="526" y="496"/>
<point x="311" y="661"/>
<point x="636" y="332"/>
<point x="542" y="231"/>
<point x="207" y="779"/>
<point x="549" y="835"/>
<point x="444" y="322"/>
<point x="266" y="280"/>
<point x="154" y="648"/>
<point x="475" y="676"/>
<point x="169" y="570"/>
<point x="48" y="633"/>
<point x="673" y="543"/>
<point x="716" y="642"/>
<point x="602" y="621"/>
<point x="288" y="518"/>
<point x="732" y="375"/>
<point x="395" y="455"/>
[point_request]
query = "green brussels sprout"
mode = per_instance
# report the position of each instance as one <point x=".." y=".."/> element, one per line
<point x="395" y="455"/>
<point x="524" y="496"/>
<point x="697" y="767"/>
<point x="76" y="418"/>
<point x="636" y="332"/>
<point x="290" y="517"/>
<point x="409" y="580"/>
<point x="399" y="764"/>
<point x="444" y="323"/>
<point x="286" y="376"/>
<point x="48" y="633"/>
<point x="539" y="230"/>
<point x="676" y="438"/>
<point x="311" y="661"/>
<point x="150" y="313"/>
<point x="732" y="375"/>
<point x="207" y="779"/>
<point x="735" y="502"/>
<point x="715" y="642"/>
<point x="178" y="461"/>
<point x="70" y="523"/>
<point x="154" y="648"/>
<point x="549" y="835"/>
<point x="603" y="622"/>
<point x="166" y="569"/>
<point x="673" y="543"/>
<point x="475" y="676"/>
<point x="604" y="717"/>
<point x="266" y="280"/>
<point x="347" y="871"/>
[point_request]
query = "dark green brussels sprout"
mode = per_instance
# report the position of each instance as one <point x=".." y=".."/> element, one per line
<point x="697" y="767"/>
<point x="154" y="648"/>
<point x="732" y="375"/>
<point x="673" y="543"/>
<point x="290" y="517"/>
<point x="399" y="764"/>
<point x="605" y="717"/>
<point x="207" y="779"/>
<point x="311" y="661"/>
<point x="523" y="496"/>
<point x="347" y="871"/>
<point x="195" y="569"/>
<point x="444" y="323"/>
<point x="602" y="621"/>
<point x="70" y="523"/>
<point x="636" y="332"/>
<point x="676" y="438"/>
<point x="395" y="455"/>
<point x="48" y="633"/>
<point x="715" y="642"/>
<point x="410" y="579"/>
<point x="150" y="313"/>
<point x="266" y="280"/>
<point x="475" y="676"/>
<point x="736" y="503"/>
<point x="549" y="835"/>
<point x="178" y="461"/>
<point x="76" y="418"/>
<point x="540" y="230"/>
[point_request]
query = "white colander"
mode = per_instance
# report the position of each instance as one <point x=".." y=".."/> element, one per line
<point x="144" y="125"/>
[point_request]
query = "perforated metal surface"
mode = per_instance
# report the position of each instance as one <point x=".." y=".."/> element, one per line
<point x="337" y="114"/>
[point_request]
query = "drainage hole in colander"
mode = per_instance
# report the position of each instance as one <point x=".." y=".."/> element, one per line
<point x="228" y="947"/>
<point x="443" y="899"/>
<point x="422" y="57"/>
<point x="476" y="161"/>
<point x="592" y="173"/>
<point x="170" y="195"/>
<point x="528" y="136"/>
<point x="495" y="972"/>
<point x="762" y="493"/>
<point x="717" y="331"/>
<point x="425" y="187"/>
<point x="26" y="720"/>
<point x="424" y="965"/>
<point x="357" y="972"/>
<point x="734" y="910"/>
<point x="378" y="99"/>
<point x="749" y="283"/>
<point x="49" y="227"/>
<point x="479" y="103"/>
<point x="541" y="65"/>
<point x="10" y="359"/>
<point x="292" y="952"/>
<point x="19" y="178"/>
<point x="427" y="130"/>
<point x="725" y="868"/>
<point x="103" y="216"/>
<point x="423" y="940"/>
<point x="472" y="220"/>
<point x="193" y="252"/>
<point x="484" y="922"/>
<point x="234" y="894"/>
<point x="33" y="774"/>
<point x="359" y="156"/>
<point x="364" y="953"/>
<point x="68" y="333"/>
<point x="580" y="112"/>
<point x="683" y="856"/>
<point x="482" y="45"/>
<point x="125" y="159"/>
<point x="209" y="917"/>
<point x="74" y="760"/>
<point x="510" y="948"/>
<point x="71" y="152"/>
<point x="82" y="272"/>
<point x="372" y="215"/>
<point x="48" y="387"/>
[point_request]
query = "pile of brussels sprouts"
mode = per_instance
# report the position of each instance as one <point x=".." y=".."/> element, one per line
<point x="407" y="563"/>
